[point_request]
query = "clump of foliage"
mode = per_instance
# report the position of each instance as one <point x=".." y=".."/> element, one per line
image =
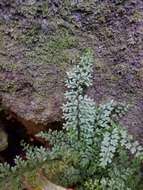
<point x="96" y="145"/>
<point x="93" y="151"/>
<point x="52" y="50"/>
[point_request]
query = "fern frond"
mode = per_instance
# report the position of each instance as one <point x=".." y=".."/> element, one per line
<point x="109" y="146"/>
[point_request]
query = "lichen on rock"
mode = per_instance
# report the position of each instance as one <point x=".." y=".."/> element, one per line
<point x="41" y="40"/>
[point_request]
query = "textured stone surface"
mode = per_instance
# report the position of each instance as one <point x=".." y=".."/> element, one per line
<point x="40" y="41"/>
<point x="3" y="140"/>
<point x="41" y="183"/>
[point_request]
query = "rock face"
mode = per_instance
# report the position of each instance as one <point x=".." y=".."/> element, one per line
<point x="48" y="186"/>
<point x="3" y="140"/>
<point x="36" y="181"/>
<point x="45" y="184"/>
<point x="40" y="40"/>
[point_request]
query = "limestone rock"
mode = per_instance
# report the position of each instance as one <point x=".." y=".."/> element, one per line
<point x="34" y="56"/>
<point x="3" y="140"/>
<point x="42" y="183"/>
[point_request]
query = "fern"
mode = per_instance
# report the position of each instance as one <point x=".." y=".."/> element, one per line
<point x="92" y="146"/>
<point x="108" y="147"/>
<point x="74" y="111"/>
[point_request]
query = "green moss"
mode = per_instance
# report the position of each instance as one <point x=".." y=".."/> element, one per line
<point x="137" y="16"/>
<point x="62" y="42"/>
<point x="1" y="39"/>
<point x="35" y="9"/>
<point x="8" y="67"/>
<point x="28" y="9"/>
<point x="139" y="73"/>
<point x="107" y="32"/>
<point x="32" y="178"/>
<point x="53" y="50"/>
<point x="9" y="86"/>
<point x="30" y="36"/>
<point x="45" y="9"/>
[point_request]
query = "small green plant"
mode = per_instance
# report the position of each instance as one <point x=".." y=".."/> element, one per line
<point x="93" y="151"/>
<point x="95" y="143"/>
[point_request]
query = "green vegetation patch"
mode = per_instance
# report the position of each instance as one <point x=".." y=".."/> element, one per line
<point x="92" y="152"/>
<point x="34" y="9"/>
<point x="30" y="36"/>
<point x="53" y="50"/>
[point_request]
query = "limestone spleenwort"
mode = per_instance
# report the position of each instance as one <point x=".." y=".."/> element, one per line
<point x="92" y="152"/>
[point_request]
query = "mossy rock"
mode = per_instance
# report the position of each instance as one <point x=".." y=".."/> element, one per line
<point x="38" y="181"/>
<point x="53" y="49"/>
<point x="32" y="75"/>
